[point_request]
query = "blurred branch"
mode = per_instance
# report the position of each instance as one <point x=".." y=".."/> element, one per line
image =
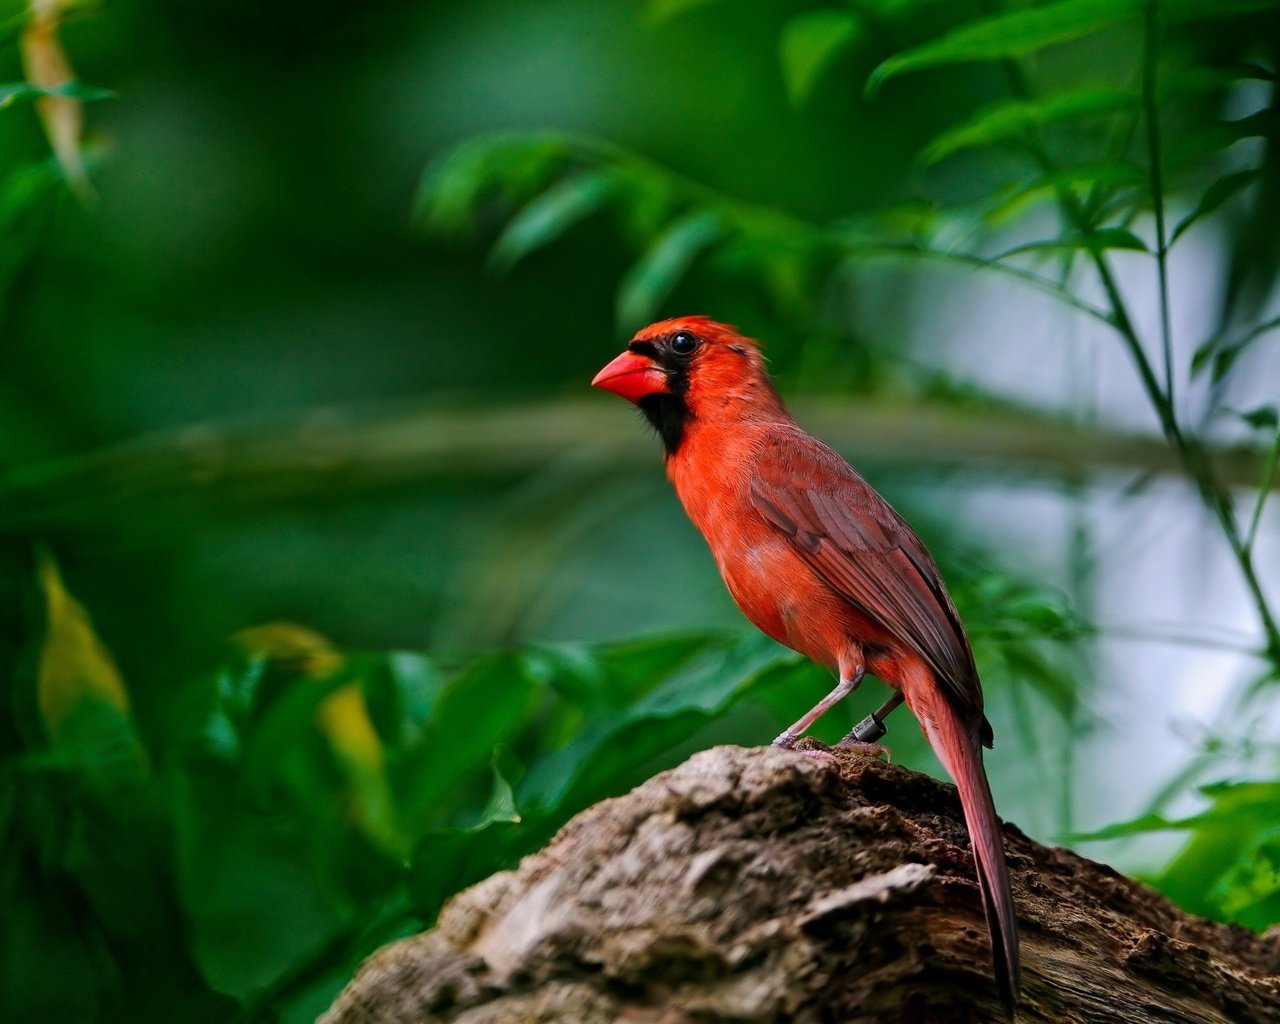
<point x="336" y="448"/>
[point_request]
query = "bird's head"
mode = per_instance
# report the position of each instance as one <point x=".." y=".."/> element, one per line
<point x="691" y="368"/>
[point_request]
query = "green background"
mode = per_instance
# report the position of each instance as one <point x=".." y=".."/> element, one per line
<point x="297" y="448"/>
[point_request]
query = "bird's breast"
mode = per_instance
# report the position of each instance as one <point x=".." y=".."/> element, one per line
<point x="774" y="587"/>
<point x="769" y="581"/>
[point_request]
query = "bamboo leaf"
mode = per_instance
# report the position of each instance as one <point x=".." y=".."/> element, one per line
<point x="19" y="92"/>
<point x="1196" y="144"/>
<point x="1195" y="80"/>
<point x="1007" y="120"/>
<point x="1011" y="203"/>
<point x="549" y="215"/>
<point x="1224" y="355"/>
<point x="1140" y="826"/>
<point x="660" y="10"/>
<point x="1262" y="418"/>
<point x="456" y="183"/>
<point x="47" y="67"/>
<point x="1092" y="241"/>
<point x="659" y="270"/>
<point x="75" y="668"/>
<point x="810" y="43"/>
<point x="1215" y="196"/>
<point x="1173" y="11"/>
<point x="1013" y="34"/>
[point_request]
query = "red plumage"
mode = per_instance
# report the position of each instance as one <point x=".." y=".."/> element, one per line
<point x="820" y="562"/>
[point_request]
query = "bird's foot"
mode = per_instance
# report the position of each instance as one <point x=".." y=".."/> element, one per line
<point x="787" y="740"/>
<point x="872" y="749"/>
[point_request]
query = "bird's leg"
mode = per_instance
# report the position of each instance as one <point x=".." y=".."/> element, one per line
<point x="845" y="687"/>
<point x="863" y="736"/>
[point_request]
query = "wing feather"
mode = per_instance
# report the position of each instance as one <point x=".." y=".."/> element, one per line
<point x="867" y="553"/>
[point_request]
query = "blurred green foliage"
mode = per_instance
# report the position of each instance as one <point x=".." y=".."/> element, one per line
<point x="211" y="297"/>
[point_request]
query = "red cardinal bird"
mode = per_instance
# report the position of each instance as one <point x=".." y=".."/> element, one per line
<point x="819" y="561"/>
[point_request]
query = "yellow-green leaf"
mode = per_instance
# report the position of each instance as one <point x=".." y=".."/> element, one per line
<point x="74" y="665"/>
<point x="809" y="43"/>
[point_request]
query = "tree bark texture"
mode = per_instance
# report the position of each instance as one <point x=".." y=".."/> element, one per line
<point x="762" y="885"/>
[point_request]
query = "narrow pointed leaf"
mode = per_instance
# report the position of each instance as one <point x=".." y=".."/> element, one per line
<point x="660" y="269"/>
<point x="1172" y="11"/>
<point x="456" y="183"/>
<point x="1014" y="34"/>
<point x="809" y="44"/>
<point x="1004" y="121"/>
<point x="446" y="860"/>
<point x="1262" y="418"/>
<point x="550" y="215"/>
<point x="1009" y="205"/>
<point x="1093" y="241"/>
<point x="18" y="92"/>
<point x="659" y="10"/>
<point x="1215" y="196"/>
<point x="1224" y="354"/>
<point x="75" y="667"/>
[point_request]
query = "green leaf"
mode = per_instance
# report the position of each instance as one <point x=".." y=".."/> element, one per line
<point x="448" y="860"/>
<point x="402" y="689"/>
<point x="1007" y="120"/>
<point x="809" y="44"/>
<point x="454" y="185"/>
<point x="1224" y="840"/>
<point x="1143" y="825"/>
<point x="485" y="706"/>
<point x="609" y="678"/>
<point x="1013" y="34"/>
<point x="1092" y="241"/>
<point x="605" y="757"/>
<point x="660" y="10"/>
<point x="17" y="92"/>
<point x="549" y="215"/>
<point x="1224" y="354"/>
<point x="253" y="897"/>
<point x="1009" y="204"/>
<point x="1262" y="418"/>
<point x="659" y="270"/>
<point x="80" y="693"/>
<point x="1173" y="11"/>
<point x="1215" y="196"/>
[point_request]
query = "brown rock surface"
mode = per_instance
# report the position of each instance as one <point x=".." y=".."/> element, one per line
<point x="760" y="885"/>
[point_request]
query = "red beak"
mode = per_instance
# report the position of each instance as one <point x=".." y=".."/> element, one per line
<point x="632" y="376"/>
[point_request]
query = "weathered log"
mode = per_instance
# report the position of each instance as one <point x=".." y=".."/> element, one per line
<point x="760" y="885"/>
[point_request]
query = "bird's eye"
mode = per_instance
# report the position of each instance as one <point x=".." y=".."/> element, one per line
<point x="683" y="343"/>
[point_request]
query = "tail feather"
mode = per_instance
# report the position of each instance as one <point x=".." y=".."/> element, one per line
<point x="957" y="745"/>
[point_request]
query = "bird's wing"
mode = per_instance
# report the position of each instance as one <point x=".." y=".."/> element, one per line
<point x="867" y="553"/>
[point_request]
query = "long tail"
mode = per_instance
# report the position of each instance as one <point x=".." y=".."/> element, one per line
<point x="956" y="744"/>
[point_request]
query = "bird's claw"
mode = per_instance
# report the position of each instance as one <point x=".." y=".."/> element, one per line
<point x="873" y="749"/>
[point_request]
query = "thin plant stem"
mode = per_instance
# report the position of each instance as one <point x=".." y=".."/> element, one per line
<point x="1190" y="451"/>
<point x="1155" y="161"/>
<point x="1268" y="476"/>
